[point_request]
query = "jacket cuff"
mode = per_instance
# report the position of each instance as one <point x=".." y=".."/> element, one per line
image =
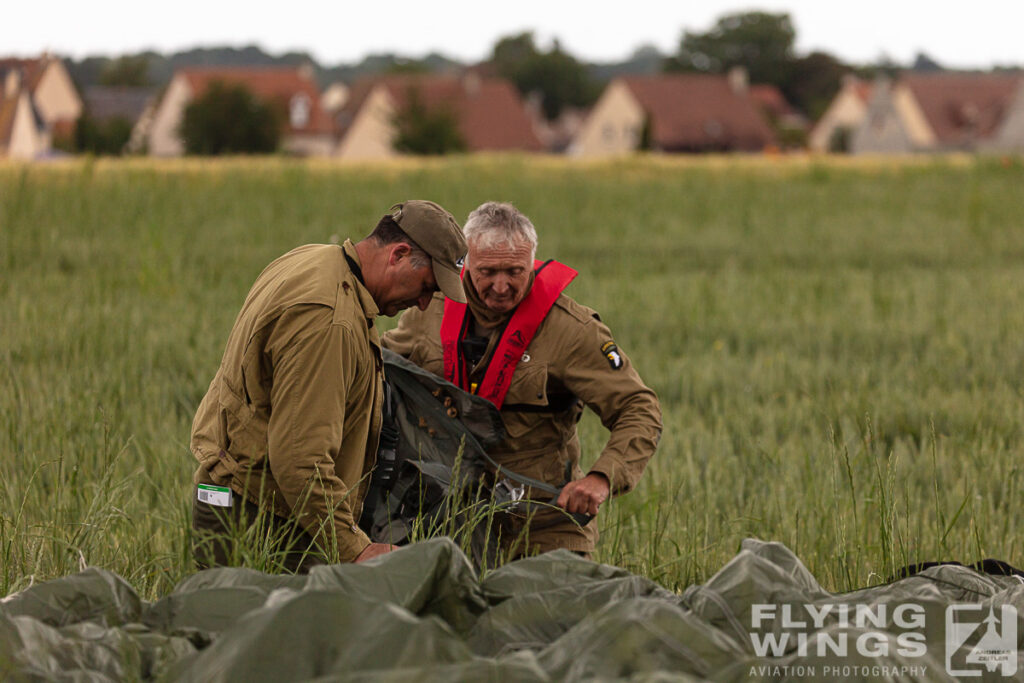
<point x="608" y="467"/>
<point x="351" y="542"/>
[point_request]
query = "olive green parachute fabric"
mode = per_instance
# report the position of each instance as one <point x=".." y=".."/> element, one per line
<point x="423" y="614"/>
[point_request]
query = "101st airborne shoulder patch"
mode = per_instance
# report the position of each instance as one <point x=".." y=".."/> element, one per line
<point x="611" y="352"/>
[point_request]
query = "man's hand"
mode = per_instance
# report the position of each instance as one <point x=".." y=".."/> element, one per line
<point x="375" y="549"/>
<point x="585" y="495"/>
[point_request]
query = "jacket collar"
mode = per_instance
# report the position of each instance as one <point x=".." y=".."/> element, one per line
<point x="366" y="301"/>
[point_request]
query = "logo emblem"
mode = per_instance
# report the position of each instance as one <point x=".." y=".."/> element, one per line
<point x="981" y="639"/>
<point x="461" y="261"/>
<point x="611" y="352"/>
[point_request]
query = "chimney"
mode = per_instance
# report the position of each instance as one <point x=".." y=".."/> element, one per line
<point x="737" y="77"/>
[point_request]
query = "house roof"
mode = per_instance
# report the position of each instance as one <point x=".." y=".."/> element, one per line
<point x="273" y="84"/>
<point x="771" y="100"/>
<point x="489" y="111"/>
<point x="31" y="70"/>
<point x="104" y="103"/>
<point x="962" y="106"/>
<point x="691" y="112"/>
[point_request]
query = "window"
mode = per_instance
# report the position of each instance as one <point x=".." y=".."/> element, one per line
<point x="299" y="111"/>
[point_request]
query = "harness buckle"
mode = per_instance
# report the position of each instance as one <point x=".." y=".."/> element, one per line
<point x="505" y="492"/>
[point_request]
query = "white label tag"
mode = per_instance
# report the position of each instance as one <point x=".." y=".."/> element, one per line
<point x="214" y="495"/>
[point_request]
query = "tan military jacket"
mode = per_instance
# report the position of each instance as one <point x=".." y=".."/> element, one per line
<point x="292" y="417"/>
<point x="565" y="359"/>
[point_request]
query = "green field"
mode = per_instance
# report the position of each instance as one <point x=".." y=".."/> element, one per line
<point x="837" y="346"/>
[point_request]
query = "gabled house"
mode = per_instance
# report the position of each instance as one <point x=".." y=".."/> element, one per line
<point x="846" y="111"/>
<point x="936" y="112"/>
<point x="674" y="113"/>
<point x="53" y="94"/>
<point x="308" y="130"/>
<point x="488" y="112"/>
<point x="23" y="133"/>
<point x="1009" y="136"/>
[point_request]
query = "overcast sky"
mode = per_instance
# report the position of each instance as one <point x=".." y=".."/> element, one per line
<point x="975" y="34"/>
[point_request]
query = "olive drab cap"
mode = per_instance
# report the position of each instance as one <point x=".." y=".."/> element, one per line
<point x="439" y="234"/>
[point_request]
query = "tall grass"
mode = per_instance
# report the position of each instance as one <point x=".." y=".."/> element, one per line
<point x="837" y="346"/>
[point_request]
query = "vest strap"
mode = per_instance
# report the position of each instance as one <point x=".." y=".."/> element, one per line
<point x="550" y="281"/>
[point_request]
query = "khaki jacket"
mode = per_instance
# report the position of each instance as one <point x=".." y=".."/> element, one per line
<point x="564" y="361"/>
<point x="292" y="417"/>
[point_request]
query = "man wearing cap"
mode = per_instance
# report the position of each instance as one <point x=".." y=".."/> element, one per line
<point x="287" y="433"/>
<point x="540" y="357"/>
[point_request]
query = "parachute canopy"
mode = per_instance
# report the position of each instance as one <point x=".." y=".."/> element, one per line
<point x="423" y="614"/>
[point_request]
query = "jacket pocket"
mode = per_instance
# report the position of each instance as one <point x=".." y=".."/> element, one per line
<point x="523" y="409"/>
<point x="245" y="429"/>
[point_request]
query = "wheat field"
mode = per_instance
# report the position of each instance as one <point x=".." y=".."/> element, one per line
<point x="837" y="345"/>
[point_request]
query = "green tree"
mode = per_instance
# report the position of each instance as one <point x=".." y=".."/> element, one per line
<point x="425" y="130"/>
<point x="813" y="81"/>
<point x="555" y="75"/>
<point x="228" y="119"/>
<point x="129" y="71"/>
<point x="512" y="51"/>
<point x="758" y="41"/>
<point x="101" y="137"/>
<point x="646" y="142"/>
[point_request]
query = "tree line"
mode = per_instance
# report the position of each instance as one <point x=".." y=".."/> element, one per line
<point x="761" y="42"/>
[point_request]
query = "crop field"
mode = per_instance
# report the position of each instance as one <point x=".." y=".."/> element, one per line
<point x="838" y="346"/>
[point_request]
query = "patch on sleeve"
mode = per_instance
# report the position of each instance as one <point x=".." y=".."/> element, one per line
<point x="611" y="352"/>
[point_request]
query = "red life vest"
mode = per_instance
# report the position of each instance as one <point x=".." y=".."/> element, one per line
<point x="550" y="280"/>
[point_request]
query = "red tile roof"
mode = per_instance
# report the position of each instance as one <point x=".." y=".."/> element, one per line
<point x="273" y="84"/>
<point x="699" y="112"/>
<point x="962" y="107"/>
<point x="771" y="100"/>
<point x="489" y="111"/>
<point x="31" y="69"/>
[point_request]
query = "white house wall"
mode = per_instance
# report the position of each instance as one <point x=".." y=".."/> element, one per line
<point x="882" y="130"/>
<point x="55" y="95"/>
<point x="922" y="137"/>
<point x="847" y="111"/>
<point x="1010" y="135"/>
<point x="371" y="134"/>
<point x="27" y="141"/>
<point x="309" y="145"/>
<point x="164" y="136"/>
<point x="613" y="126"/>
